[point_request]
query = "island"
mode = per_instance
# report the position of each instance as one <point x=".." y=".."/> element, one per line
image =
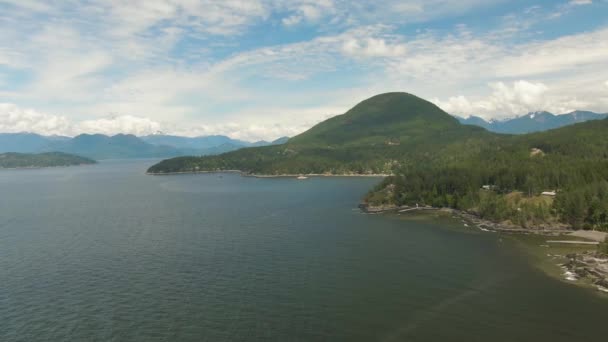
<point x="13" y="160"/>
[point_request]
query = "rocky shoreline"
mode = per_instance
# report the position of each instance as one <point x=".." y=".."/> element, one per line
<point x="286" y="175"/>
<point x="469" y="219"/>
<point x="591" y="267"/>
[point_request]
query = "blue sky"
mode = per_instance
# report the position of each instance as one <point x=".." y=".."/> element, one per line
<point x="260" y="69"/>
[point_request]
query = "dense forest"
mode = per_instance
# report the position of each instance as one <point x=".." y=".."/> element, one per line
<point x="49" y="159"/>
<point x="434" y="160"/>
<point x="504" y="181"/>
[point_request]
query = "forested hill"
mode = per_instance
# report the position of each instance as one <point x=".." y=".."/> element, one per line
<point x="571" y="162"/>
<point x="374" y="137"/>
<point x="49" y="159"/>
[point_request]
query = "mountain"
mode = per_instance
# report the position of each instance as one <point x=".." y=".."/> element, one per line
<point x="99" y="146"/>
<point x="25" y="142"/>
<point x="207" y="145"/>
<point x="279" y="141"/>
<point x="198" y="143"/>
<point x="372" y="137"/>
<point x="49" y="159"/>
<point x="532" y="122"/>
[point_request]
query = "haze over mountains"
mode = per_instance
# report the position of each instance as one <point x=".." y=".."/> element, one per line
<point x="99" y="146"/>
<point x="532" y="122"/>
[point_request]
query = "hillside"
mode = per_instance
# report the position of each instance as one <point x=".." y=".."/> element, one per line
<point x="571" y="161"/>
<point x="49" y="159"/>
<point x="373" y="137"/>
<point x="533" y="122"/>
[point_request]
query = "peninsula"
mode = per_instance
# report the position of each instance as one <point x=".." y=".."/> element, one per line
<point x="13" y="160"/>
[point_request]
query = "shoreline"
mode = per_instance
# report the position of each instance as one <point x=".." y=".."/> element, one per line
<point x="487" y="225"/>
<point x="45" y="167"/>
<point x="287" y="175"/>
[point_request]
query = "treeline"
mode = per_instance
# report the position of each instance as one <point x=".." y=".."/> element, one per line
<point x="48" y="159"/>
<point x="513" y="179"/>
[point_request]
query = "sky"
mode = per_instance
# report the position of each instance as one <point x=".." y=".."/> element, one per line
<point x="262" y="69"/>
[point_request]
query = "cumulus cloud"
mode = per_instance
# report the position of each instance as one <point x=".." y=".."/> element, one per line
<point x="14" y="119"/>
<point x="507" y="100"/>
<point x="180" y="62"/>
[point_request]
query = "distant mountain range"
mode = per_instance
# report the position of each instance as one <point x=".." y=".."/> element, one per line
<point x="532" y="122"/>
<point x="99" y="146"/>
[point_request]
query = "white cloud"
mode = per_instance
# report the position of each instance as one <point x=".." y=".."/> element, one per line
<point x="518" y="98"/>
<point x="292" y="20"/>
<point x="307" y="11"/>
<point x="581" y="2"/>
<point x="127" y="124"/>
<point x="271" y="124"/>
<point x="575" y="52"/>
<point x="126" y="58"/>
<point x="14" y="119"/>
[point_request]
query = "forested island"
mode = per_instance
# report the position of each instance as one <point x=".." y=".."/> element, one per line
<point x="12" y="160"/>
<point x="436" y="161"/>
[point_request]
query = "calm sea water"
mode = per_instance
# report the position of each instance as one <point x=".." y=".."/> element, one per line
<point x="106" y="253"/>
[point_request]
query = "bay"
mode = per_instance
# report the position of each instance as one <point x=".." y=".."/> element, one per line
<point x="107" y="253"/>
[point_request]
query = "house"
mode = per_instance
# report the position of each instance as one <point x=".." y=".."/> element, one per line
<point x="548" y="193"/>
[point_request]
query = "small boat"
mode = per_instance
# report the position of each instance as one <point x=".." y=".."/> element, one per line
<point x="302" y="177"/>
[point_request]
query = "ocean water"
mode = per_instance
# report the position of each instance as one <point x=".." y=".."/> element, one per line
<point x="106" y="253"/>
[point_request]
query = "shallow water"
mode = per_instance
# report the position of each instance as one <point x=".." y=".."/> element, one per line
<point x="104" y="252"/>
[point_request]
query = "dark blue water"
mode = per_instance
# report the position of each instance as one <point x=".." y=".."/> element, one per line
<point x="106" y="253"/>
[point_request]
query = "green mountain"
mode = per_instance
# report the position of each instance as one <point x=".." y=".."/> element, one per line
<point x="372" y="138"/>
<point x="48" y="159"/>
